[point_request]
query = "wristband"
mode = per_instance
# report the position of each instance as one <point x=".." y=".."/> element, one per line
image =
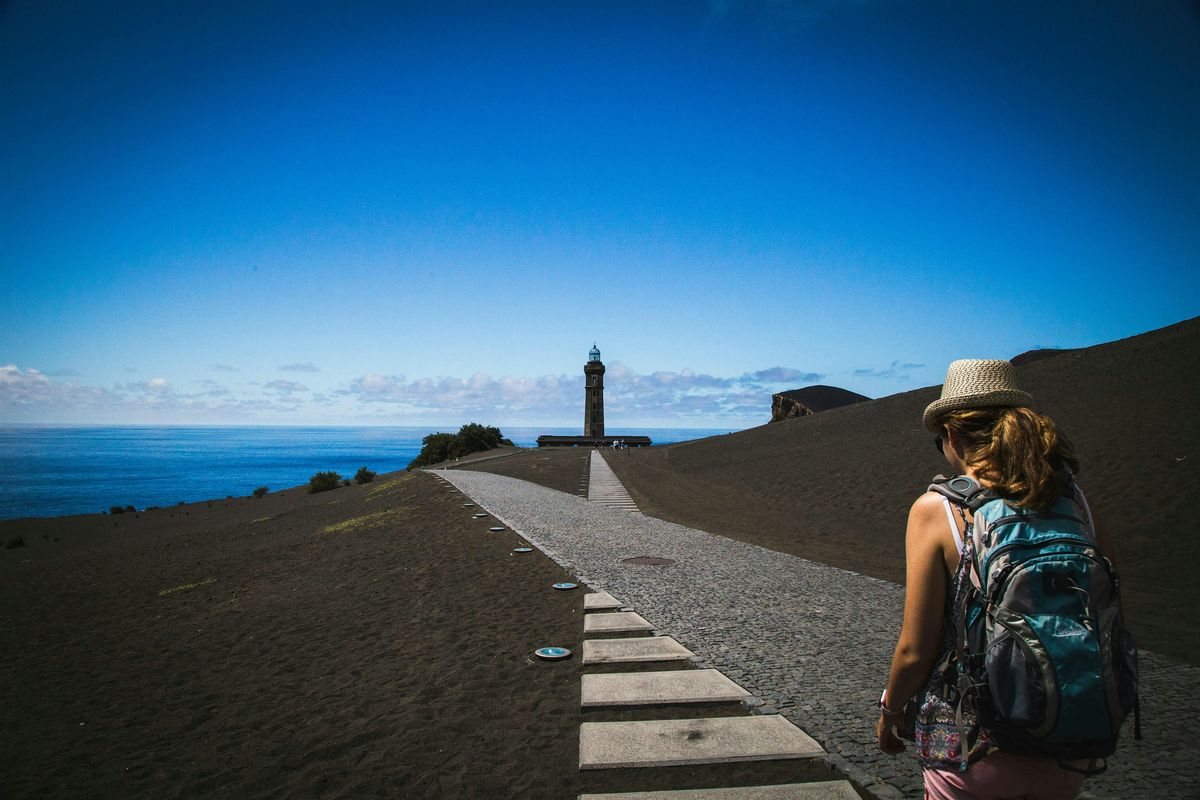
<point x="883" y="709"/>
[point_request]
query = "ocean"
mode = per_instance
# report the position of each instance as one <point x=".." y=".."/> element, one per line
<point x="51" y="470"/>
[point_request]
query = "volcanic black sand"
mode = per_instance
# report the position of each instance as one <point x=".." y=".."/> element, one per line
<point x="835" y="487"/>
<point x="370" y="641"/>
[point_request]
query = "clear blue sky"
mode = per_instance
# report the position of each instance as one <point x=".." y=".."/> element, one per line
<point x="410" y="213"/>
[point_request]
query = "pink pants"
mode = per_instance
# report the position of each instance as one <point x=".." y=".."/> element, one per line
<point x="1004" y="776"/>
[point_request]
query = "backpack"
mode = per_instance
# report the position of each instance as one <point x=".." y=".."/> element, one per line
<point x="1042" y="652"/>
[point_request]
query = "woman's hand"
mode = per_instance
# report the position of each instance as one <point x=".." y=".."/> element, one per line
<point x="885" y="732"/>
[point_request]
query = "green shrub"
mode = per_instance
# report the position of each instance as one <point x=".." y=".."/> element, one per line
<point x="260" y="491"/>
<point x="471" y="438"/>
<point x="345" y="481"/>
<point x="364" y="475"/>
<point x="323" y="482"/>
<point x="116" y="509"/>
<point x="434" y="448"/>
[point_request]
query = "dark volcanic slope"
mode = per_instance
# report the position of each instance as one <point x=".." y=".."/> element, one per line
<point x="561" y="468"/>
<point x="835" y="487"/>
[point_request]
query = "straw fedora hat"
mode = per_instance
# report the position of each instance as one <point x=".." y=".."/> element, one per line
<point x="976" y="383"/>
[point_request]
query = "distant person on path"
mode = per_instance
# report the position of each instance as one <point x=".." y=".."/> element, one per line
<point x="1019" y="464"/>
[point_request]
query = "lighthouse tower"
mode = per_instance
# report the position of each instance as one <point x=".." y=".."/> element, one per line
<point x="593" y="401"/>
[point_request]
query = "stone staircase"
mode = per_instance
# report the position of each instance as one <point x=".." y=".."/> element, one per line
<point x="605" y="488"/>
<point x="685" y="739"/>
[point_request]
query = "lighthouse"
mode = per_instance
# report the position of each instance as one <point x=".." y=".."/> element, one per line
<point x="593" y="394"/>
<point x="593" y="414"/>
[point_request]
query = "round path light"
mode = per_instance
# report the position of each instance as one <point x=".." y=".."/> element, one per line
<point x="522" y="549"/>
<point x="496" y="528"/>
<point x="480" y="515"/>
<point x="552" y="653"/>
<point x="565" y="586"/>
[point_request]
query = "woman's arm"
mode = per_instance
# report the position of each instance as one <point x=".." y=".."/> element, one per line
<point x="926" y="541"/>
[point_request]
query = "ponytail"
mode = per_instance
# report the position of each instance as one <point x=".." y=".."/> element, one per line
<point x="1016" y="452"/>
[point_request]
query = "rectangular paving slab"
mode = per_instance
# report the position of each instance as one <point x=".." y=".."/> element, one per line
<point x="649" y="648"/>
<point x="671" y="742"/>
<point x="817" y="790"/>
<point x="615" y="622"/>
<point x="600" y="601"/>
<point x="659" y="688"/>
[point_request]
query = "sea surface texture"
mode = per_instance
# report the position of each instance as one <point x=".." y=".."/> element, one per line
<point x="54" y="470"/>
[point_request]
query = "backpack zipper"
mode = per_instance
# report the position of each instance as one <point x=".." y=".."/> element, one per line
<point x="1010" y="519"/>
<point x="1067" y="539"/>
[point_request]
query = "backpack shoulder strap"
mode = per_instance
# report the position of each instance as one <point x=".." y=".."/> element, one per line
<point x="966" y="492"/>
<point x="963" y="491"/>
<point x="958" y="539"/>
<point x="1081" y="501"/>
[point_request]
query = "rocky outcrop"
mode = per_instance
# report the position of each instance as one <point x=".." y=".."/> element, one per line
<point x="810" y="400"/>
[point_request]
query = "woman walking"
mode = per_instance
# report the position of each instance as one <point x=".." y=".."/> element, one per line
<point x="986" y="431"/>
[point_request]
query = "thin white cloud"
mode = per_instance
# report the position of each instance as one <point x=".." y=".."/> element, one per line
<point x="306" y="366"/>
<point x="663" y="393"/>
<point x="896" y="371"/>
<point x="214" y="389"/>
<point x="285" y="387"/>
<point x="29" y="395"/>
<point x="683" y="395"/>
<point x="19" y="386"/>
<point x="224" y="368"/>
<point x="786" y="375"/>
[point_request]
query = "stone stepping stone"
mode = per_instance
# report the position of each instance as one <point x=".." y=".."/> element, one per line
<point x="600" y="601"/>
<point x="659" y="688"/>
<point x="673" y="742"/>
<point x="615" y="622"/>
<point x="818" y="790"/>
<point x="649" y="648"/>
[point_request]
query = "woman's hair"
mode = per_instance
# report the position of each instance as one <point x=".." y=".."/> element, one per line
<point x="1016" y="452"/>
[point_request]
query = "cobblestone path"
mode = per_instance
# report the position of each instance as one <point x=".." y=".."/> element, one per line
<point x="811" y="640"/>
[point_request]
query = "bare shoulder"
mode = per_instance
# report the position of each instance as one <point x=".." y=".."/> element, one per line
<point x="926" y="508"/>
<point x="927" y="529"/>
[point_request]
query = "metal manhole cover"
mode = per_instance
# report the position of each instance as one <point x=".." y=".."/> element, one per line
<point x="649" y="561"/>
